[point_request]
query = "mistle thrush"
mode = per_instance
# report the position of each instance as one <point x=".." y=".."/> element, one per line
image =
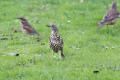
<point x="55" y="40"/>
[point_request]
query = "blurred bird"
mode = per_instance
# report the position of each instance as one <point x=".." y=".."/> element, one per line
<point x="56" y="41"/>
<point x="110" y="17"/>
<point x="27" y="28"/>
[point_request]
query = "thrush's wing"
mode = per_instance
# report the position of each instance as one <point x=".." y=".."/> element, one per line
<point x="110" y="15"/>
<point x="30" y="29"/>
<point x="61" y="41"/>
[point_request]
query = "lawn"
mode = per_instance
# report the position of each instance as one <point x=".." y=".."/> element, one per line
<point x="90" y="54"/>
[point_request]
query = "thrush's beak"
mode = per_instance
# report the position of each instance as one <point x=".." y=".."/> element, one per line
<point x="17" y="18"/>
<point x="20" y="18"/>
<point x="48" y="25"/>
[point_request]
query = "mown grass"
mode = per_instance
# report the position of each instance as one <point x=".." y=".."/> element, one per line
<point x="86" y="49"/>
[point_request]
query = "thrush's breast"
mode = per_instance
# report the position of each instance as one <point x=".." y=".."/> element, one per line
<point x="23" y="29"/>
<point x="55" y="42"/>
<point x="112" y="21"/>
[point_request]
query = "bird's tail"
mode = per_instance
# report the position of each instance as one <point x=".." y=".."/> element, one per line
<point x="100" y="25"/>
<point x="36" y="33"/>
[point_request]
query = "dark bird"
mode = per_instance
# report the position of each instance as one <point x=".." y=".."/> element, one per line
<point x="55" y="40"/>
<point x="110" y="17"/>
<point x="27" y="28"/>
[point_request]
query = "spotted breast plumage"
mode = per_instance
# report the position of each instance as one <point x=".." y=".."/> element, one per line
<point x="56" y="41"/>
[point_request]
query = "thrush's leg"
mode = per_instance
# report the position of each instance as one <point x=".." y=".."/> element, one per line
<point x="53" y="53"/>
<point x="61" y="53"/>
<point x="107" y="29"/>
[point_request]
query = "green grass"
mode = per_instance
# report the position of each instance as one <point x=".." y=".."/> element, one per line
<point x="86" y="49"/>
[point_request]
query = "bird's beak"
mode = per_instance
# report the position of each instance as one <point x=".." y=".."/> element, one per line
<point x="17" y="18"/>
<point x="48" y="25"/>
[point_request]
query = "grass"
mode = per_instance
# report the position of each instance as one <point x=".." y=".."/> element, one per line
<point x="86" y="49"/>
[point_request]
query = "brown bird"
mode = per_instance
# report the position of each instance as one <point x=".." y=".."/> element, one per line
<point x="55" y="40"/>
<point x="27" y="28"/>
<point x="110" y="17"/>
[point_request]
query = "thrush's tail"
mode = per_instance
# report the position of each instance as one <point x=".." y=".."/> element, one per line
<point x="101" y="24"/>
<point x="38" y="34"/>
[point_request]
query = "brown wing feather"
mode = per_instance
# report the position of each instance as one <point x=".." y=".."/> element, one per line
<point x="110" y="15"/>
<point x="29" y="29"/>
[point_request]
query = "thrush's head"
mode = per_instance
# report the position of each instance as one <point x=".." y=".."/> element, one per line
<point x="22" y="18"/>
<point x="114" y="5"/>
<point x="53" y="27"/>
